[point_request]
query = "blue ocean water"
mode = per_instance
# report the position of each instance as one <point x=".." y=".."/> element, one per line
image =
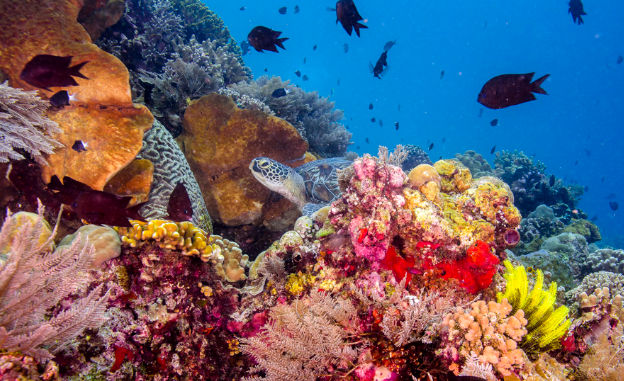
<point x="580" y="120"/>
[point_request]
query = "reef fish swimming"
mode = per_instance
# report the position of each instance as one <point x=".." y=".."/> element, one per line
<point x="576" y="9"/>
<point x="80" y="146"/>
<point x="510" y="89"/>
<point x="494" y="122"/>
<point x="348" y="15"/>
<point x="93" y="206"/>
<point x="380" y="68"/>
<point x="388" y="45"/>
<point x="283" y="10"/>
<point x="280" y="92"/>
<point x="61" y="99"/>
<point x="180" y="207"/>
<point x="613" y="205"/>
<point x="45" y="71"/>
<point x="263" y="38"/>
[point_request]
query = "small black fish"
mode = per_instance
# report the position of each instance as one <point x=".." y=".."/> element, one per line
<point x="180" y="207"/>
<point x="45" y="71"/>
<point x="61" y="99"/>
<point x="510" y="89"/>
<point x="95" y="207"/>
<point x="442" y="74"/>
<point x="304" y="60"/>
<point x="443" y="140"/>
<point x="493" y="149"/>
<point x="586" y="189"/>
<point x="378" y="70"/>
<point x="552" y="180"/>
<point x="244" y="47"/>
<point x="367" y="141"/>
<point x="280" y="93"/>
<point x="485" y="24"/>
<point x="380" y="123"/>
<point x="494" y="122"/>
<point x="345" y="47"/>
<point x="297" y="9"/>
<point x="357" y="147"/>
<point x="80" y="146"/>
<point x="576" y="163"/>
<point x="373" y="120"/>
<point x="282" y="10"/>
<point x="576" y="8"/>
<point x="348" y="15"/>
<point x="399" y="107"/>
<point x="602" y="180"/>
<point x="266" y="70"/>
<point x="305" y="77"/>
<point x="370" y="106"/>
<point x="298" y="73"/>
<point x="338" y="82"/>
<point x="314" y="47"/>
<point x="430" y="146"/>
<point x="388" y="45"/>
<point x="242" y="8"/>
<point x="396" y="124"/>
<point x="480" y="112"/>
<point x="594" y="218"/>
<point x="614" y="205"/>
<point x="263" y="38"/>
<point x="587" y="152"/>
<point x="619" y="60"/>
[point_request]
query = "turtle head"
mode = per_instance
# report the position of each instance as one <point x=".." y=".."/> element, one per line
<point x="279" y="178"/>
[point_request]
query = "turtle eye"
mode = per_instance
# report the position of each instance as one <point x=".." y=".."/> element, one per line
<point x="264" y="164"/>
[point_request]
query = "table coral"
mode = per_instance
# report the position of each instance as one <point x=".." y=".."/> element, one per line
<point x="107" y="120"/>
<point x="490" y="331"/>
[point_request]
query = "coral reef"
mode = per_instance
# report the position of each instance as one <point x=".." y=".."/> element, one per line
<point x="607" y="260"/>
<point x="226" y="256"/>
<point x="538" y="226"/>
<point x="476" y="163"/>
<point x="555" y="266"/>
<point x="169" y="308"/>
<point x="602" y="279"/>
<point x="573" y="249"/>
<point x="105" y="241"/>
<point x="587" y="229"/>
<point x="95" y="16"/>
<point x="170" y="168"/>
<point x="24" y="125"/>
<point x="135" y="180"/>
<point x="531" y="187"/>
<point x="26" y="324"/>
<point x="196" y="69"/>
<point x="415" y="157"/>
<point x="109" y="122"/>
<point x="314" y="117"/>
<point x="219" y="150"/>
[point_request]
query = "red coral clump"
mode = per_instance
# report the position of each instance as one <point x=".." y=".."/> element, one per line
<point x="474" y="272"/>
<point x="398" y="265"/>
<point x="120" y="357"/>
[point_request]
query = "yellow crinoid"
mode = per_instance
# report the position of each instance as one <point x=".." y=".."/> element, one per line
<point x="546" y="324"/>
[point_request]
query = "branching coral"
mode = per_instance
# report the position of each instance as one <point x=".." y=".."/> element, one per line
<point x="306" y="339"/>
<point x="314" y="117"/>
<point x="546" y="325"/>
<point x="34" y="280"/>
<point x="605" y="362"/>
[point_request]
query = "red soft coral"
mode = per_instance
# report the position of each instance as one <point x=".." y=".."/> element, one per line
<point x="474" y="272"/>
<point x="398" y="265"/>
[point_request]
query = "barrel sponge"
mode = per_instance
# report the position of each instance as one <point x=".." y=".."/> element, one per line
<point x="105" y="241"/>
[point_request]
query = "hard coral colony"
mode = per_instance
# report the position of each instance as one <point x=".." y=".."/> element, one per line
<point x="386" y="276"/>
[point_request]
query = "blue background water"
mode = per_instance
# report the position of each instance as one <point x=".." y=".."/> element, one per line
<point x="472" y="42"/>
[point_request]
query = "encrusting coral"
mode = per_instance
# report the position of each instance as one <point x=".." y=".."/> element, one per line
<point x="546" y="325"/>
<point x="225" y="255"/>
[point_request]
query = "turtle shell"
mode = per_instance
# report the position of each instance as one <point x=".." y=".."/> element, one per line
<point x="320" y="179"/>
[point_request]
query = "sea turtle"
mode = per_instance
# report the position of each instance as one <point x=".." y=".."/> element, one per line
<point x="310" y="186"/>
